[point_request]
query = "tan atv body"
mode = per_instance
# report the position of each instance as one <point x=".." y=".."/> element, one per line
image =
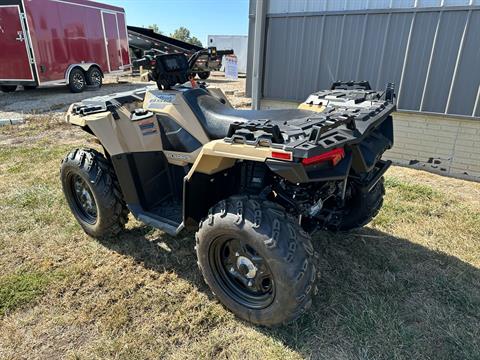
<point x="253" y="184"/>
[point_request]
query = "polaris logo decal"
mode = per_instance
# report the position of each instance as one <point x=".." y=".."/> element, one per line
<point x="159" y="101"/>
<point x="162" y="98"/>
<point x="177" y="156"/>
<point x="165" y="98"/>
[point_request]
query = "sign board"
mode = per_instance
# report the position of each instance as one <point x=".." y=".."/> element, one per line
<point x="231" y="67"/>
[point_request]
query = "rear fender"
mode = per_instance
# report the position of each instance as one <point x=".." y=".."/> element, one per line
<point x="369" y="151"/>
<point x="214" y="176"/>
<point x="219" y="155"/>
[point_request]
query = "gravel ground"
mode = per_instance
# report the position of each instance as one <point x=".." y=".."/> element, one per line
<point x="54" y="100"/>
<point x="43" y="110"/>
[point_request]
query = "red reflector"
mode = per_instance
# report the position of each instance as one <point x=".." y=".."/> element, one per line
<point x="334" y="156"/>
<point x="280" y="155"/>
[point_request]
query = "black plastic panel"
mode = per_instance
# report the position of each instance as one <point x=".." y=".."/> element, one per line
<point x="175" y="137"/>
<point x="349" y="117"/>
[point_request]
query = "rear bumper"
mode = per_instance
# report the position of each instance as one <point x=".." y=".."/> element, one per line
<point x="363" y="155"/>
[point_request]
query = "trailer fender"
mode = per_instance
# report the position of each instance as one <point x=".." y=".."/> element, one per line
<point x="84" y="66"/>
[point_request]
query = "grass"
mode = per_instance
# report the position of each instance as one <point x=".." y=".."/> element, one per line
<point x="20" y="289"/>
<point x="407" y="286"/>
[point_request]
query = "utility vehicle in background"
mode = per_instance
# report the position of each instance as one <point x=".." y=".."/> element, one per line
<point x="147" y="43"/>
<point x="254" y="185"/>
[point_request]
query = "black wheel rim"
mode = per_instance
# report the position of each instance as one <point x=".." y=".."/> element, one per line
<point x="84" y="201"/>
<point x="241" y="272"/>
<point x="96" y="77"/>
<point x="78" y="80"/>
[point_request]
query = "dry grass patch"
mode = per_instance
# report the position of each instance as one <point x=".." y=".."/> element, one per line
<point x="407" y="286"/>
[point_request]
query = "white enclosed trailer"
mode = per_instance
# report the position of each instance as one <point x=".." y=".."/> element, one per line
<point x="239" y="44"/>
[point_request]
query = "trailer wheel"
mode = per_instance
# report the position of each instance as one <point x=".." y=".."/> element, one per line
<point x="204" y="75"/>
<point x="77" y="81"/>
<point x="29" y="87"/>
<point x="94" y="77"/>
<point x="8" y="88"/>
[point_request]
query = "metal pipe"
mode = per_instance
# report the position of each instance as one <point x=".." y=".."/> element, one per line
<point x="258" y="52"/>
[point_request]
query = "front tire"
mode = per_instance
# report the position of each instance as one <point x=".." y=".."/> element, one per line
<point x="257" y="260"/>
<point x="93" y="193"/>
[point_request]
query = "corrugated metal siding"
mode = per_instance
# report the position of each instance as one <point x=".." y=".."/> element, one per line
<point x="292" y="6"/>
<point x="432" y="56"/>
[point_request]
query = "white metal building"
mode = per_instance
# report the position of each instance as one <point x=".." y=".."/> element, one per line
<point x="429" y="48"/>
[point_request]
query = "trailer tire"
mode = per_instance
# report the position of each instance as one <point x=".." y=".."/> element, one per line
<point x="94" y="77"/>
<point x="8" y="88"/>
<point x="29" y="87"/>
<point x="93" y="193"/>
<point x="204" y="75"/>
<point x="76" y="80"/>
<point x="257" y="260"/>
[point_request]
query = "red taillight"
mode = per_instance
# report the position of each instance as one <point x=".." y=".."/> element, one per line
<point x="153" y="62"/>
<point x="282" y="156"/>
<point x="334" y="156"/>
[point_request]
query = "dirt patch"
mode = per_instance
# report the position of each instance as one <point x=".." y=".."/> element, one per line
<point x="44" y="109"/>
<point x="234" y="89"/>
<point x="56" y="99"/>
<point x="53" y="99"/>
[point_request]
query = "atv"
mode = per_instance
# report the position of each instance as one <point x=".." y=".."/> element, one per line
<point x="254" y="185"/>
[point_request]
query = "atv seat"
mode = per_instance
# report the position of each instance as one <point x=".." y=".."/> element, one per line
<point x="216" y="117"/>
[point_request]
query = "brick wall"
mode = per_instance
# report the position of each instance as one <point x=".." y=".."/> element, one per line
<point x="446" y="145"/>
<point x="442" y="144"/>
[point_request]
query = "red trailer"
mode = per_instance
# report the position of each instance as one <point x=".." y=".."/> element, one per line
<point x="73" y="42"/>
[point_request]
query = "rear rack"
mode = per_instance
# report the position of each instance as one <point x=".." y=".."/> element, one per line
<point x="347" y="116"/>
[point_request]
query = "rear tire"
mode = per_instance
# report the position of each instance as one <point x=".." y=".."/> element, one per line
<point x="77" y="81"/>
<point x="361" y="207"/>
<point x="29" y="87"/>
<point x="244" y="231"/>
<point x="204" y="75"/>
<point x="8" y="88"/>
<point x="94" y="77"/>
<point x="93" y="193"/>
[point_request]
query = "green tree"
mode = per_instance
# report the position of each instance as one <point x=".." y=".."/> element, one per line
<point x="195" y="41"/>
<point x="155" y="28"/>
<point x="183" y="34"/>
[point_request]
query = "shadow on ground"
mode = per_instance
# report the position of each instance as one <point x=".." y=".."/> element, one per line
<point x="380" y="296"/>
